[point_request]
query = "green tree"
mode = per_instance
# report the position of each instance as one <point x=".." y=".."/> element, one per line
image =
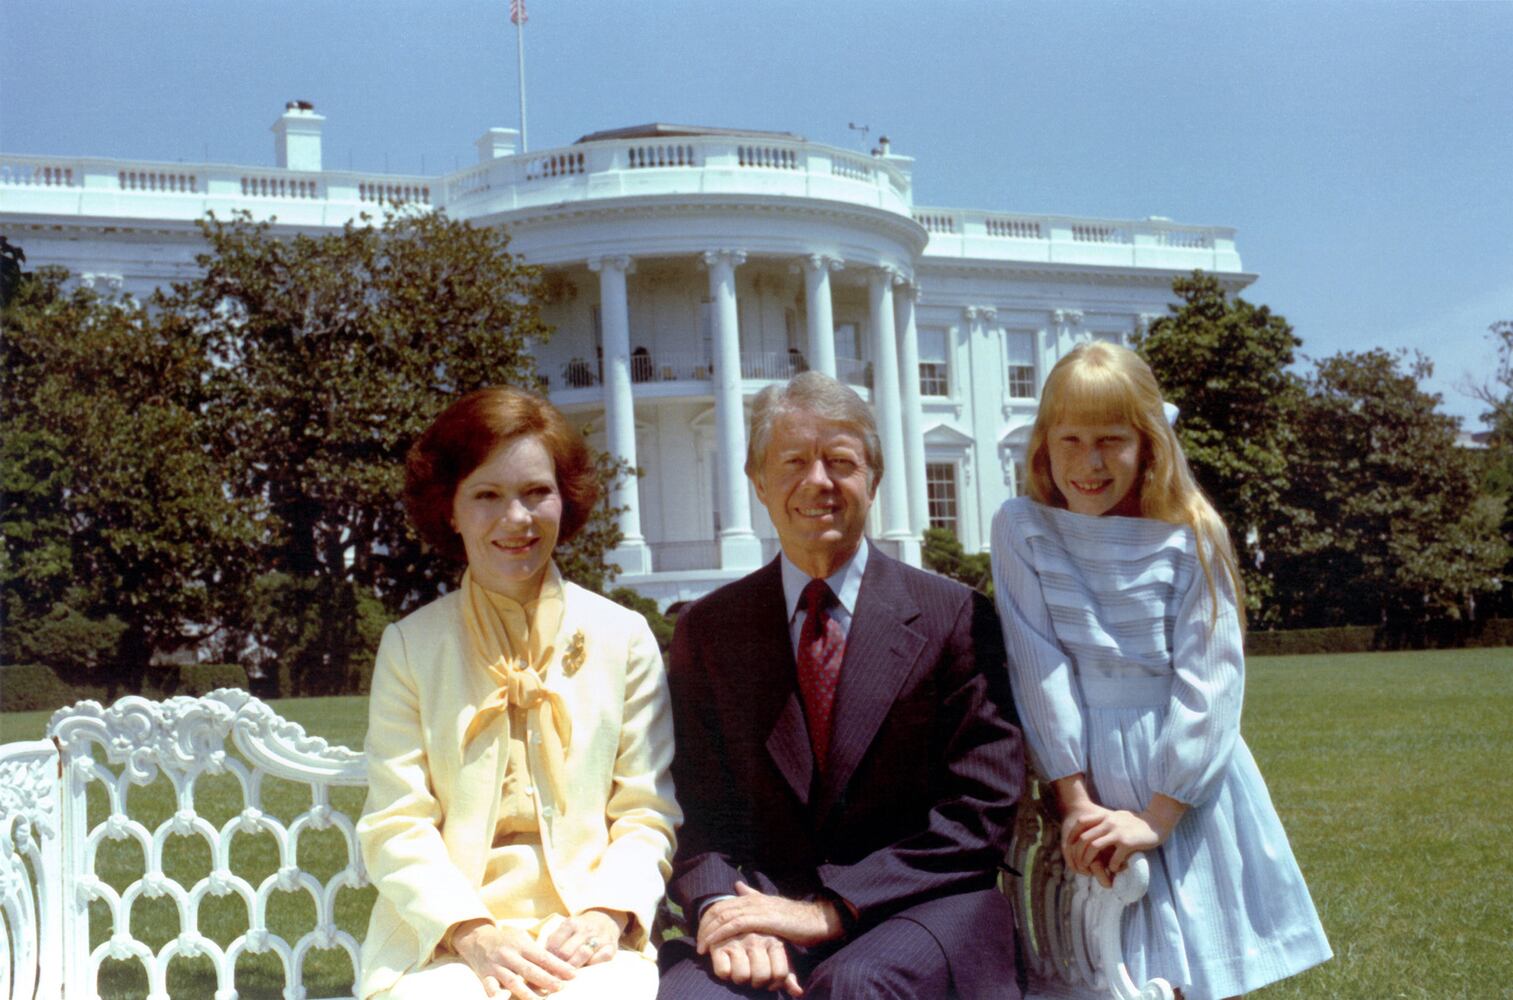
<point x="1496" y="392"/>
<point x="1224" y="364"/>
<point x="332" y="353"/>
<point x="944" y="554"/>
<point x="1385" y="520"/>
<point x="116" y="527"/>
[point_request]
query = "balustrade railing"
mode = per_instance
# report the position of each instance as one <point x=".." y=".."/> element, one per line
<point x="16" y="172"/>
<point x="692" y="366"/>
<point x="853" y="371"/>
<point x="1141" y="242"/>
<point x="780" y="365"/>
<point x="277" y="186"/>
<point x="189" y="190"/>
<point x="674" y="557"/>
<point x="679" y="154"/>
<point x="157" y="180"/>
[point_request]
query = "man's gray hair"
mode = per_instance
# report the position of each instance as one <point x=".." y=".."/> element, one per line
<point x="819" y="395"/>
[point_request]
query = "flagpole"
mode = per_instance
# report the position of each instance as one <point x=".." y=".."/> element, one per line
<point x="517" y="14"/>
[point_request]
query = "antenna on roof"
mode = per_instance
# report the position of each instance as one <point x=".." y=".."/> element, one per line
<point x="863" y="129"/>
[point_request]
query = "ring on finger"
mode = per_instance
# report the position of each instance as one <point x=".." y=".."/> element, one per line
<point x="593" y="944"/>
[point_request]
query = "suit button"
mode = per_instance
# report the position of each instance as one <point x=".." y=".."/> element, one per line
<point x="530" y="792"/>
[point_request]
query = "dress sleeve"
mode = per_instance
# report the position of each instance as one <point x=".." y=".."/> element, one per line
<point x="631" y="874"/>
<point x="1044" y="681"/>
<point x="400" y="829"/>
<point x="1197" y="739"/>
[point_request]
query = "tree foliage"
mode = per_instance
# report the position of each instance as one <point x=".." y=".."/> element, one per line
<point x="116" y="528"/>
<point x="1384" y="519"/>
<point x="332" y="353"/>
<point x="1496" y="392"/>
<point x="1225" y="365"/>
<point x="944" y="554"/>
<point x="225" y="466"/>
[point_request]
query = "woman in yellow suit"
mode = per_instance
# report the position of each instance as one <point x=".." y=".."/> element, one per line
<point x="520" y="818"/>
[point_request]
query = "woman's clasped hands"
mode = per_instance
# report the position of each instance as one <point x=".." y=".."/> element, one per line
<point x="513" y="964"/>
<point x="1098" y="841"/>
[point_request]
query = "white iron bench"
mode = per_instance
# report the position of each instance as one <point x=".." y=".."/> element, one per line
<point x="69" y="901"/>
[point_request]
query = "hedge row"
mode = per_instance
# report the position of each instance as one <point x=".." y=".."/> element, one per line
<point x="1366" y="638"/>
<point x="28" y="687"/>
<point x="32" y="688"/>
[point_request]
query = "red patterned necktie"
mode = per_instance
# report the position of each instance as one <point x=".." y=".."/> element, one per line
<point x="822" y="644"/>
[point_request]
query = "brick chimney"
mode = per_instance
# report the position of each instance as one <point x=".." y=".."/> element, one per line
<point x="296" y="143"/>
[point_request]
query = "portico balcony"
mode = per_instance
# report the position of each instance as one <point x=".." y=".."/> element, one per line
<point x="681" y="375"/>
<point x="663" y="163"/>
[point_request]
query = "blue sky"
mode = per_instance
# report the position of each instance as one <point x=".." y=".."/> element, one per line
<point x="1363" y="150"/>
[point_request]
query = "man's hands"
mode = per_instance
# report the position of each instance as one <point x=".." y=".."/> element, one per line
<point x="589" y="938"/>
<point x="508" y="962"/>
<point x="746" y="936"/>
<point x="1098" y="841"/>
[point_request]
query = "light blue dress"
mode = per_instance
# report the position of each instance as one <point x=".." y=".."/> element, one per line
<point x="1120" y="674"/>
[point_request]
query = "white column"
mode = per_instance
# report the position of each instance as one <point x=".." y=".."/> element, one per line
<point x="905" y="294"/>
<point x="887" y="405"/>
<point x="739" y="547"/>
<point x="632" y="554"/>
<point x="819" y="311"/>
<point x="990" y="390"/>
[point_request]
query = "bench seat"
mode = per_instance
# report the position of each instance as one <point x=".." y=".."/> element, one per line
<point x="126" y="824"/>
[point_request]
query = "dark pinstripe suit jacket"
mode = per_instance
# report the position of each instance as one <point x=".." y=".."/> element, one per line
<point x="926" y="763"/>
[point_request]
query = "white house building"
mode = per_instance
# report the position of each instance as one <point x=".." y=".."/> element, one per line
<point x="687" y="268"/>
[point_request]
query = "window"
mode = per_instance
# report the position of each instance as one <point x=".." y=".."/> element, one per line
<point x="1021" y="348"/>
<point x="1021" y="480"/>
<point x="934" y="369"/>
<point x="940" y="489"/>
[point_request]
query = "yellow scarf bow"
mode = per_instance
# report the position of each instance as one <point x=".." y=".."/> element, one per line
<point x="511" y="645"/>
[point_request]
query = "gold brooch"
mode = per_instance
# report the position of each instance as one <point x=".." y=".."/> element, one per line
<point x="573" y="658"/>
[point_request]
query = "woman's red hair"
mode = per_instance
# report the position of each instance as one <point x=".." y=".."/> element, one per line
<point x="466" y="434"/>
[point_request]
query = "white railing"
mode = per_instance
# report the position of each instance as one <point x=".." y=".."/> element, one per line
<point x="1153" y="242"/>
<point x="778" y="365"/>
<point x="280" y="186"/>
<point x="853" y="371"/>
<point x="157" y="180"/>
<point x="652" y="155"/>
<point x="675" y="557"/>
<point x="92" y="186"/>
<point x="35" y="172"/>
<point x="610" y="168"/>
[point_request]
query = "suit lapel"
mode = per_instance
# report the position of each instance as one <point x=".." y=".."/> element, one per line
<point x="881" y="651"/>
<point x="767" y="634"/>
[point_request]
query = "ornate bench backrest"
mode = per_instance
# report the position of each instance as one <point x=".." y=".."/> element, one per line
<point x="137" y="741"/>
<point x="31" y="870"/>
<point x="1069" y="926"/>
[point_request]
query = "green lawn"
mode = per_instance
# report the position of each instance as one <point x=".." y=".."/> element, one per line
<point x="1392" y="774"/>
<point x="1390" y="770"/>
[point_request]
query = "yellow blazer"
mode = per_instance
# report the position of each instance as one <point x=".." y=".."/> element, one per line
<point x="433" y="804"/>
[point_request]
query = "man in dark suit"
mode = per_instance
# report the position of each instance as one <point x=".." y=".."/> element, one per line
<point x="846" y="755"/>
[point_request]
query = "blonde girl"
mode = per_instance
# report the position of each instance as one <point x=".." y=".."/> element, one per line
<point x="1120" y="599"/>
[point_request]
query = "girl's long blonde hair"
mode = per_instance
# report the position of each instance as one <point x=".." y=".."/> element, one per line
<point x="1102" y="383"/>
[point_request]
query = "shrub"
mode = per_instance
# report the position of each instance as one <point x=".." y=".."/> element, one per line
<point x="661" y="625"/>
<point x="1293" y="642"/>
<point x="31" y="687"/>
